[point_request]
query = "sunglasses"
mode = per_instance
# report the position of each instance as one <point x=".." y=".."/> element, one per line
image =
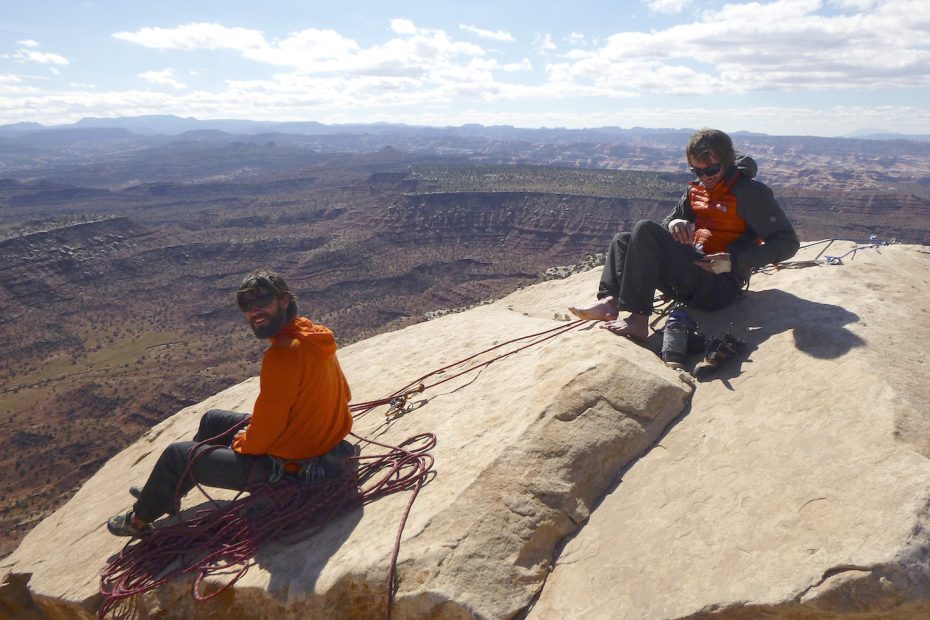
<point x="248" y="300"/>
<point x="709" y="171"/>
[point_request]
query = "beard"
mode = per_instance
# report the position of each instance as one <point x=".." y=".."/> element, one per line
<point x="272" y="325"/>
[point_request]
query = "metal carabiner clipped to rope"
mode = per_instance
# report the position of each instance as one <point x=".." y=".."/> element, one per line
<point x="398" y="404"/>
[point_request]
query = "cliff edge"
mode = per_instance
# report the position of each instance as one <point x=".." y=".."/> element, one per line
<point x="581" y="477"/>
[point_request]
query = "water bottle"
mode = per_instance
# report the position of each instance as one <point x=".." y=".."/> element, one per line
<point x="675" y="338"/>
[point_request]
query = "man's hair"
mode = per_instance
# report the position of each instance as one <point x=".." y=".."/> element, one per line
<point x="706" y="142"/>
<point x="272" y="282"/>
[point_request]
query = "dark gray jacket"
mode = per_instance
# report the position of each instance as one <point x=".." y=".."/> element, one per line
<point x="764" y="219"/>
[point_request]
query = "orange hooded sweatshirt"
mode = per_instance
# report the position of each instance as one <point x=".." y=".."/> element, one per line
<point x="302" y="409"/>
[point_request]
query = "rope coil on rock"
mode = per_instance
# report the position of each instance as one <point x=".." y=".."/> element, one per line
<point x="225" y="538"/>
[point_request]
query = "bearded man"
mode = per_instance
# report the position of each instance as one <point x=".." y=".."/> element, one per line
<point x="298" y="424"/>
<point x="725" y="225"/>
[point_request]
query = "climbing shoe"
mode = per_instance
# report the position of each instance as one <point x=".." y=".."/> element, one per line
<point x="719" y="351"/>
<point x="121" y="525"/>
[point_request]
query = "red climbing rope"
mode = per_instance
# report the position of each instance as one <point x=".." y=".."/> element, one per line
<point x="225" y="538"/>
<point x="419" y="385"/>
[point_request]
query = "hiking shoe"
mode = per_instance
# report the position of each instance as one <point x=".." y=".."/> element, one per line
<point x="718" y="352"/>
<point x="121" y="525"/>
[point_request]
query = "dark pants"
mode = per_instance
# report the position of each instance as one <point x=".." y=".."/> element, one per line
<point x="648" y="259"/>
<point x="220" y="467"/>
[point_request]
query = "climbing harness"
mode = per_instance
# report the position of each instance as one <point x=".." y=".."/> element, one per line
<point x="223" y="539"/>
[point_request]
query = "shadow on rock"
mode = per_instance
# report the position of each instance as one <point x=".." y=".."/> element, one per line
<point x="295" y="564"/>
<point x="819" y="329"/>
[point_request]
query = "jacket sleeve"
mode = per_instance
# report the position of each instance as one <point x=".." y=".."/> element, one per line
<point x="767" y="220"/>
<point x="279" y="381"/>
<point x="682" y="211"/>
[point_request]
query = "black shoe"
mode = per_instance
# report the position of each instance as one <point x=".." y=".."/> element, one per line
<point x="135" y="491"/>
<point x="718" y="353"/>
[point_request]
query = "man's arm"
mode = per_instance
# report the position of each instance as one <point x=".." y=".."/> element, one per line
<point x="278" y="392"/>
<point x="757" y="205"/>
<point x="682" y="211"/>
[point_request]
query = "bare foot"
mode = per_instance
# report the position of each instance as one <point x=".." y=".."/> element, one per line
<point x="635" y="327"/>
<point x="604" y="309"/>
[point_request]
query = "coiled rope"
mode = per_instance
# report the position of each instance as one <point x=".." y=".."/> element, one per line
<point x="224" y="539"/>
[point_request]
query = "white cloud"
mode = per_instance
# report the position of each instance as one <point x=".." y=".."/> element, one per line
<point x="856" y="5"/>
<point x="165" y="77"/>
<point x="494" y="35"/>
<point x="544" y="43"/>
<point x="417" y="51"/>
<point x="416" y="73"/>
<point x="403" y="26"/>
<point x="28" y="43"/>
<point x="667" y="6"/>
<point x="44" y="58"/>
<point x="783" y="45"/>
<point x="15" y="85"/>
<point x="195" y="36"/>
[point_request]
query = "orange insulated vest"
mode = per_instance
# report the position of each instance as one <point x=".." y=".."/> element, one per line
<point x="717" y="223"/>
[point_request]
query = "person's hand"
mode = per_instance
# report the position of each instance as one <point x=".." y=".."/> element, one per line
<point x="682" y="231"/>
<point x="716" y="263"/>
<point x="239" y="434"/>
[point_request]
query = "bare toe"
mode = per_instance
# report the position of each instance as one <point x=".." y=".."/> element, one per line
<point x="603" y="310"/>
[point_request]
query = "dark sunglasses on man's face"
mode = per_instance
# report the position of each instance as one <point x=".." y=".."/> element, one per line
<point x="249" y="300"/>
<point x="709" y="171"/>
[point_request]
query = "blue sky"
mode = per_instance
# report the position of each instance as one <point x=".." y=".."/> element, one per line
<point x="787" y="67"/>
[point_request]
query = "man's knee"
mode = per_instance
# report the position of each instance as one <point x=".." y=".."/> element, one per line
<point x="212" y="417"/>
<point x="647" y="227"/>
<point x="216" y="422"/>
<point x="176" y="455"/>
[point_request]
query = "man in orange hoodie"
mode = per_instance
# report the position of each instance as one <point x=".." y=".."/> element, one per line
<point x="297" y="426"/>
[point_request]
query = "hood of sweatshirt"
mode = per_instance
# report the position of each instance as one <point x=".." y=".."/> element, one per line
<point x="307" y="332"/>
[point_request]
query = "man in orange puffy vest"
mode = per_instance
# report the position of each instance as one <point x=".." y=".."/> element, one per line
<point x="725" y="225"/>
<point x="298" y="423"/>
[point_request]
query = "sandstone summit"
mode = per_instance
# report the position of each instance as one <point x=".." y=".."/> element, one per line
<point x="582" y="478"/>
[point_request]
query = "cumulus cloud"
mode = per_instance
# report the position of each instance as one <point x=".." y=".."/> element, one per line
<point x="403" y="26"/>
<point x="165" y="77"/>
<point x="494" y="35"/>
<point x="766" y="46"/>
<point x="28" y="43"/>
<point x="415" y="51"/>
<point x="667" y="6"/>
<point x="784" y="45"/>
